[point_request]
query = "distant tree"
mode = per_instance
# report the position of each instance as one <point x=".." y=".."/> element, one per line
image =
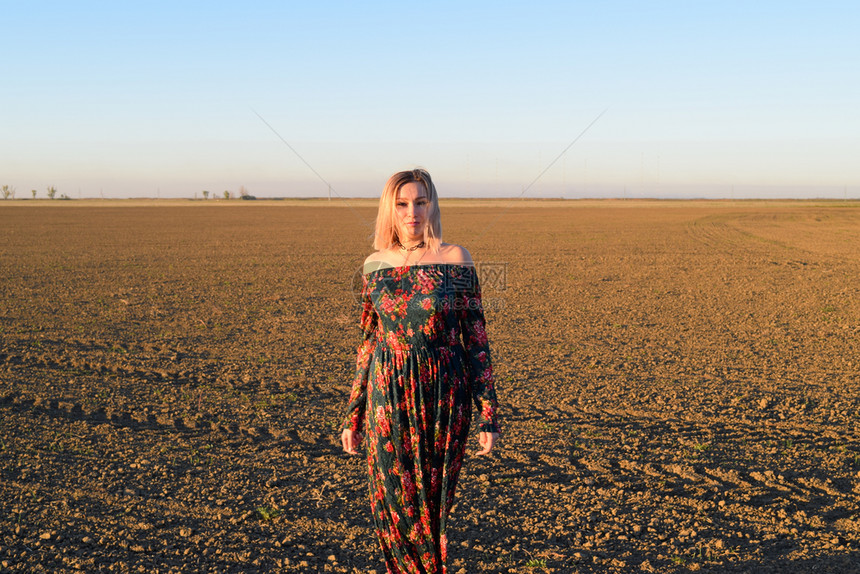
<point x="8" y="192"/>
<point x="205" y="194"/>
<point x="52" y="191"/>
<point x="226" y="194"/>
<point x="33" y="191"/>
<point x="243" y="192"/>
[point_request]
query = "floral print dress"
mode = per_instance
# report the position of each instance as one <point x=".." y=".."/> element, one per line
<point x="424" y="358"/>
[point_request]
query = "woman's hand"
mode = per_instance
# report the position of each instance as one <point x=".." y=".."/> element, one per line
<point x="487" y="440"/>
<point x="350" y="440"/>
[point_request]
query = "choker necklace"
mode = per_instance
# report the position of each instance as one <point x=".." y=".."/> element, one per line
<point x="418" y="245"/>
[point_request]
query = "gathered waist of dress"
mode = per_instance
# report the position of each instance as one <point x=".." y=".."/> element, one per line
<point x="403" y="347"/>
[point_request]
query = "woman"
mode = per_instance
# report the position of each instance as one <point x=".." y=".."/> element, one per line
<point x="423" y="359"/>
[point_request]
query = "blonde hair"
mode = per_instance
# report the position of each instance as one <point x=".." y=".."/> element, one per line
<point x="385" y="235"/>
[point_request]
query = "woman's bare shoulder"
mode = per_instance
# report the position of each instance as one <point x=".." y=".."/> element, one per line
<point x="455" y="254"/>
<point x="376" y="256"/>
<point x="377" y="260"/>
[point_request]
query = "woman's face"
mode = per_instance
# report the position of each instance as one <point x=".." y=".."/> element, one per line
<point x="411" y="207"/>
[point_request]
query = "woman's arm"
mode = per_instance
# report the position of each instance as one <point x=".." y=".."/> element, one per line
<point x="354" y="423"/>
<point x="471" y="315"/>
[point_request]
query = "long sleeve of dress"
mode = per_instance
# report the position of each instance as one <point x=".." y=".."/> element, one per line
<point x="471" y="315"/>
<point x="358" y="397"/>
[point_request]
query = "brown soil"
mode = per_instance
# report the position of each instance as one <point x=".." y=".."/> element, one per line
<point x="678" y="385"/>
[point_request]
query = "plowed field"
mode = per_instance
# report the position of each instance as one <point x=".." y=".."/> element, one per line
<point x="678" y="383"/>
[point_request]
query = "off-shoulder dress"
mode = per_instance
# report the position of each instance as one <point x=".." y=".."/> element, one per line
<point x="423" y="360"/>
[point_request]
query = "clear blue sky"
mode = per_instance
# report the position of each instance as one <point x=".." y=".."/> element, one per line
<point x="701" y="98"/>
